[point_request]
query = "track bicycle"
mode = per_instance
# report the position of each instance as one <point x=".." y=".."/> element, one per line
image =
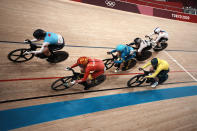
<point x="19" y="56"/>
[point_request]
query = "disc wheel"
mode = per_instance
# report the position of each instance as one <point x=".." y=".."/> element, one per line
<point x="163" y="46"/>
<point x="58" y="56"/>
<point x="145" y="55"/>
<point x="129" y="64"/>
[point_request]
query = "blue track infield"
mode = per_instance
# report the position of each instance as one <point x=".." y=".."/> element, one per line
<point x="26" y="116"/>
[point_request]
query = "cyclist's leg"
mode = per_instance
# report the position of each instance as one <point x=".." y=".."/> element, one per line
<point x="46" y="51"/>
<point x="100" y="69"/>
<point x="162" y="39"/>
<point x="129" y="57"/>
<point x="51" y="48"/>
<point x="162" y="76"/>
<point x="98" y="75"/>
<point x="59" y="47"/>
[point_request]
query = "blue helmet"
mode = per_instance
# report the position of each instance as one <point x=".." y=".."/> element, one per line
<point x="120" y="47"/>
<point x="154" y="62"/>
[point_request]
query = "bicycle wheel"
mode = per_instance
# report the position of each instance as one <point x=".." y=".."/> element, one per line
<point x="58" y="56"/>
<point x="108" y="63"/>
<point x="18" y="55"/>
<point x="145" y="55"/>
<point x="62" y="83"/>
<point x="136" y="81"/>
<point x="129" y="64"/>
<point x="163" y="46"/>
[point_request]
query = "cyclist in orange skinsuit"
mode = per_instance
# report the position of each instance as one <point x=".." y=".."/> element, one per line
<point x="87" y="66"/>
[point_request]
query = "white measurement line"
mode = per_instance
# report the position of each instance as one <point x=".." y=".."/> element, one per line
<point x="180" y="66"/>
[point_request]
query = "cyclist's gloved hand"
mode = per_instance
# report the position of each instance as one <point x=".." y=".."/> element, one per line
<point x="67" y="68"/>
<point x="73" y="82"/>
<point x="27" y="41"/>
<point x="27" y="52"/>
<point x="140" y="69"/>
<point x="109" y="53"/>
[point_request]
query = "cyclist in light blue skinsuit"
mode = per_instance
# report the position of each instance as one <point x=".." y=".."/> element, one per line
<point x="125" y="53"/>
<point x="52" y="41"/>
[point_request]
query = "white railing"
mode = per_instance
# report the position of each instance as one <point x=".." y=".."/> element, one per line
<point x="189" y="10"/>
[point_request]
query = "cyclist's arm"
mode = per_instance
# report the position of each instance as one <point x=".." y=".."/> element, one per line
<point x="148" y="64"/>
<point x="45" y="44"/>
<point x="122" y="59"/>
<point x="35" y="40"/>
<point x="119" y="61"/>
<point x="155" y="73"/>
<point x="141" y="48"/>
<point x="75" y="65"/>
<point x="113" y="51"/>
<point x="151" y="34"/>
<point x="87" y="72"/>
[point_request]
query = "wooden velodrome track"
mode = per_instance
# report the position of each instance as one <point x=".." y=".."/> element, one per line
<point x="87" y="25"/>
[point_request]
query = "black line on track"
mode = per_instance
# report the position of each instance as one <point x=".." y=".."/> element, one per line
<point x="65" y="94"/>
<point x="15" y="42"/>
<point x="181" y="51"/>
<point x="97" y="47"/>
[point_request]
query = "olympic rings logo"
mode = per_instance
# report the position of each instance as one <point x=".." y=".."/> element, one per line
<point x="110" y="3"/>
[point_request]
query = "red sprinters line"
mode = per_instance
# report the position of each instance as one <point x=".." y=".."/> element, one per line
<point x="23" y="79"/>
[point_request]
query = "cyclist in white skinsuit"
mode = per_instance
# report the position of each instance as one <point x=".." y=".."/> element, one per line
<point x="141" y="45"/>
<point x="162" y="35"/>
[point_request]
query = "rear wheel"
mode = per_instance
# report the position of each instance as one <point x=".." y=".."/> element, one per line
<point x="129" y="64"/>
<point x="136" y="81"/>
<point x="108" y="63"/>
<point x="163" y="46"/>
<point x="58" y="56"/>
<point x="145" y="55"/>
<point x="19" y="56"/>
<point x="62" y="83"/>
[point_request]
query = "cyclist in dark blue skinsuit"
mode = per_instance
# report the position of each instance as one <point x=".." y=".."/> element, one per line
<point x="125" y="53"/>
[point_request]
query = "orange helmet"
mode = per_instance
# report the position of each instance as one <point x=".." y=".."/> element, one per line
<point x="82" y="60"/>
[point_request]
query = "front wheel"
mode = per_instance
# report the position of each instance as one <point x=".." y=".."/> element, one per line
<point x="136" y="81"/>
<point x="19" y="56"/>
<point x="108" y="63"/>
<point x="62" y="83"/>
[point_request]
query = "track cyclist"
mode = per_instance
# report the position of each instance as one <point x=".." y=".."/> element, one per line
<point x="124" y="53"/>
<point x="52" y="41"/>
<point x="161" y="36"/>
<point x="141" y="45"/>
<point x="160" y="69"/>
<point x="93" y="69"/>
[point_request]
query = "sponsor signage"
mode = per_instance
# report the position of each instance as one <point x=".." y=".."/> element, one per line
<point x="130" y="7"/>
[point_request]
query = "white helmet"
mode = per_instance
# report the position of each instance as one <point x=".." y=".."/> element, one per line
<point x="157" y="30"/>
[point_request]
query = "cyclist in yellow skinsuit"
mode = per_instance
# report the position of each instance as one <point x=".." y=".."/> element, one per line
<point x="160" y="69"/>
